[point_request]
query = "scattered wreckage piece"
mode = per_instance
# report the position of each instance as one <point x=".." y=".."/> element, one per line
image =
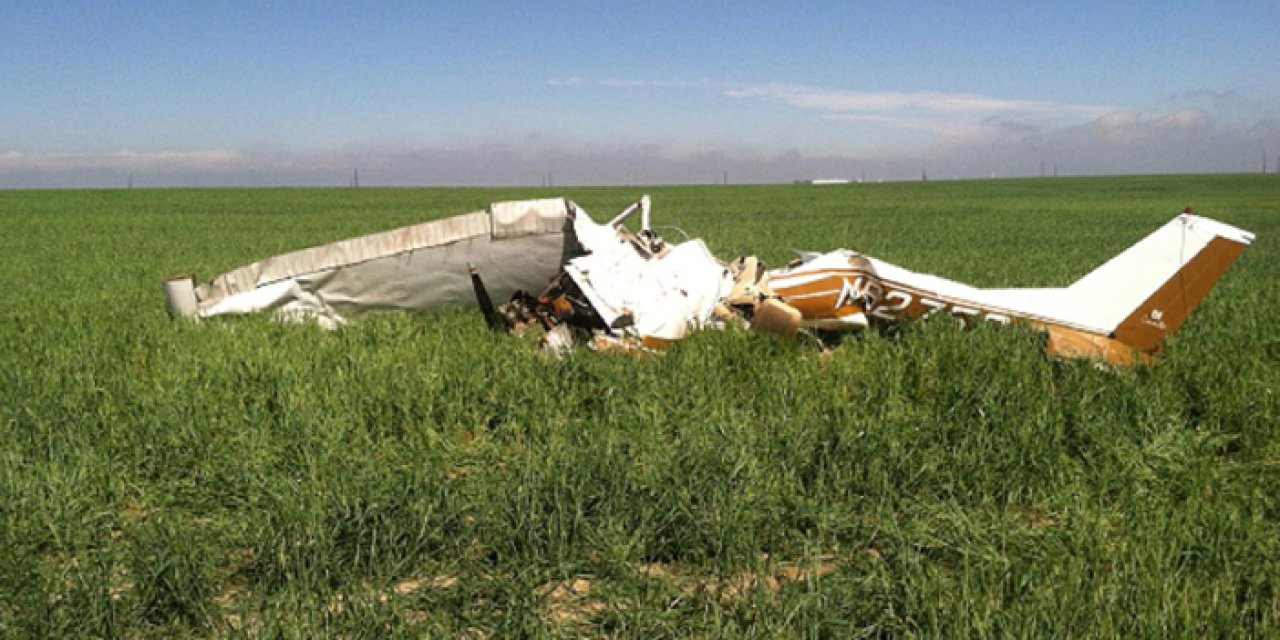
<point x="520" y="245"/>
<point x="614" y="289"/>
<point x="624" y="291"/>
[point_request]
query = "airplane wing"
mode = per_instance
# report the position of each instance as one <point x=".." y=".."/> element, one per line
<point x="518" y="245"/>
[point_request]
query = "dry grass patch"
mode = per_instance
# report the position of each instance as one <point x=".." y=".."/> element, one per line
<point x="569" y="601"/>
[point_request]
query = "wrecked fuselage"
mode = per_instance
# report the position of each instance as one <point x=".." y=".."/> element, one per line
<point x="613" y="289"/>
<point x="634" y="291"/>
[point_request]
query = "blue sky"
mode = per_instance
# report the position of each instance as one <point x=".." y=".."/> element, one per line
<point x="503" y="93"/>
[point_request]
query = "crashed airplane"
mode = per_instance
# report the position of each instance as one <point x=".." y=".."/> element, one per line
<point x="615" y="289"/>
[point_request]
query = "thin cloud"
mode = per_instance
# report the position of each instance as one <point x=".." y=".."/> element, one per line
<point x="161" y="161"/>
<point x="1186" y="140"/>
<point x="950" y="115"/>
<point x="929" y="125"/>
<point x="834" y="101"/>
<point x="1134" y="125"/>
<point x="1004" y="142"/>
<point x="918" y="101"/>
<point x="1203" y="94"/>
<point x="629" y="83"/>
<point x="655" y="84"/>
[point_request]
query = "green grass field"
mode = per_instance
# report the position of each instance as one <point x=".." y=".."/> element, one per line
<point x="420" y="476"/>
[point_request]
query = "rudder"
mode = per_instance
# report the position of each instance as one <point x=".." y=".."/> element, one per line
<point x="1148" y="290"/>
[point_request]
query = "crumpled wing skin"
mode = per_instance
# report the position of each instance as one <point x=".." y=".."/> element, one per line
<point x="516" y="245"/>
<point x="661" y="297"/>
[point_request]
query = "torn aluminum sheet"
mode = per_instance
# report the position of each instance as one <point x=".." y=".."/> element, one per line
<point x="660" y="291"/>
<point x="518" y="245"/>
<point x="624" y="287"/>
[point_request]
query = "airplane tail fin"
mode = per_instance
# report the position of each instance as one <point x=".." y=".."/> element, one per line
<point x="1147" y="291"/>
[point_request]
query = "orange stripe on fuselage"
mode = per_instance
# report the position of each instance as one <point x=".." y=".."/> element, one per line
<point x="821" y="299"/>
<point x="825" y="297"/>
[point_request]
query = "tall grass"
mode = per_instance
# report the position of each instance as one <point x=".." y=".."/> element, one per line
<point x="421" y="476"/>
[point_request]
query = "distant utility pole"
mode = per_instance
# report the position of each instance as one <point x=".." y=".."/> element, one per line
<point x="924" y="177"/>
<point x="726" y="177"/>
<point x="355" y="178"/>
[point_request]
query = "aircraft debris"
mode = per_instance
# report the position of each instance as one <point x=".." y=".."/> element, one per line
<point x="516" y="245"/>
<point x="609" y="288"/>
